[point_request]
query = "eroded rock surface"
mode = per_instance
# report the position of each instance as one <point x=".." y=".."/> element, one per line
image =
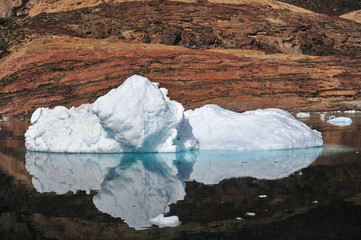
<point x="239" y="54"/>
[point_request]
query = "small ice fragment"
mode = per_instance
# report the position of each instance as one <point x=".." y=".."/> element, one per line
<point x="340" y="121"/>
<point x="36" y="115"/>
<point x="239" y="218"/>
<point x="315" y="202"/>
<point x="162" y="221"/>
<point x="350" y="111"/>
<point x="250" y="214"/>
<point x="262" y="196"/>
<point x="303" y="115"/>
<point x="300" y="173"/>
<point x="289" y="211"/>
<point x="356" y="151"/>
<point x="322" y="116"/>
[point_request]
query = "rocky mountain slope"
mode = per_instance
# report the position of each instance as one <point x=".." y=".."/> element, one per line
<point x="329" y="7"/>
<point x="240" y="54"/>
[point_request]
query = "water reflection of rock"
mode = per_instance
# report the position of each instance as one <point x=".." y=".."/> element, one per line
<point x="138" y="187"/>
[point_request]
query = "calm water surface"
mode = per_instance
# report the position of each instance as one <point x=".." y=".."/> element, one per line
<point x="291" y="194"/>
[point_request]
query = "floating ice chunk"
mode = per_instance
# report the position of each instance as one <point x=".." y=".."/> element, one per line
<point x="303" y="115"/>
<point x="250" y="214"/>
<point x="350" y="111"/>
<point x="219" y="129"/>
<point x="340" y="121"/>
<point x="162" y="221"/>
<point x="323" y="116"/>
<point x="262" y="196"/>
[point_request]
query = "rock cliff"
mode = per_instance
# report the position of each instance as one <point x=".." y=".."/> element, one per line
<point x="240" y="54"/>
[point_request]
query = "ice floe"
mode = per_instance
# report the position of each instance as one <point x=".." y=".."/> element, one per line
<point x="219" y="129"/>
<point x="303" y="115"/>
<point x="340" y="121"/>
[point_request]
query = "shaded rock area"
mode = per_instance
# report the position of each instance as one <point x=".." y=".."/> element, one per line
<point x="329" y="7"/>
<point x="72" y="72"/>
<point x="240" y="54"/>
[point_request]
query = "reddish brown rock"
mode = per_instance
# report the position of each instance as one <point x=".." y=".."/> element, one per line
<point x="268" y="26"/>
<point x="74" y="71"/>
<point x="225" y="54"/>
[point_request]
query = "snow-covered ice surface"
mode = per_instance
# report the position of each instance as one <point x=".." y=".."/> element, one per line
<point x="161" y="221"/>
<point x="340" y="121"/>
<point x="139" y="117"/>
<point x="135" y="117"/>
<point x="219" y="129"/>
<point x="303" y="115"/>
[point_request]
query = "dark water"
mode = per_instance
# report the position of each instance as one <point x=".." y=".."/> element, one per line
<point x="292" y="194"/>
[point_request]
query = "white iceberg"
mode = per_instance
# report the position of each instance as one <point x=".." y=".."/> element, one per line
<point x="219" y="129"/>
<point x="139" y="117"/>
<point x="303" y="115"/>
<point x="135" y="117"/>
<point x="340" y="121"/>
<point x="161" y="221"/>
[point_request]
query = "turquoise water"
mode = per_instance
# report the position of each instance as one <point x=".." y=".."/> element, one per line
<point x="280" y="194"/>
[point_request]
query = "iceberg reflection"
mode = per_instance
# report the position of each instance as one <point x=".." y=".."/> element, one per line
<point x="211" y="167"/>
<point x="140" y="187"/>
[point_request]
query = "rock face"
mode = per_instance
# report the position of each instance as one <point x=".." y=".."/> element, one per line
<point x="7" y="6"/>
<point x="239" y="54"/>
<point x="329" y="7"/>
<point x="354" y="16"/>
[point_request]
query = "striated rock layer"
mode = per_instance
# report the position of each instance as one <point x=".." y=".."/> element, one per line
<point x="74" y="71"/>
<point x="239" y="54"/>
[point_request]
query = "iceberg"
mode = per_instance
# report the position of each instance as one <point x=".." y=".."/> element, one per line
<point x="139" y="117"/>
<point x="340" y="121"/>
<point x="219" y="129"/>
<point x="135" y="117"/>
